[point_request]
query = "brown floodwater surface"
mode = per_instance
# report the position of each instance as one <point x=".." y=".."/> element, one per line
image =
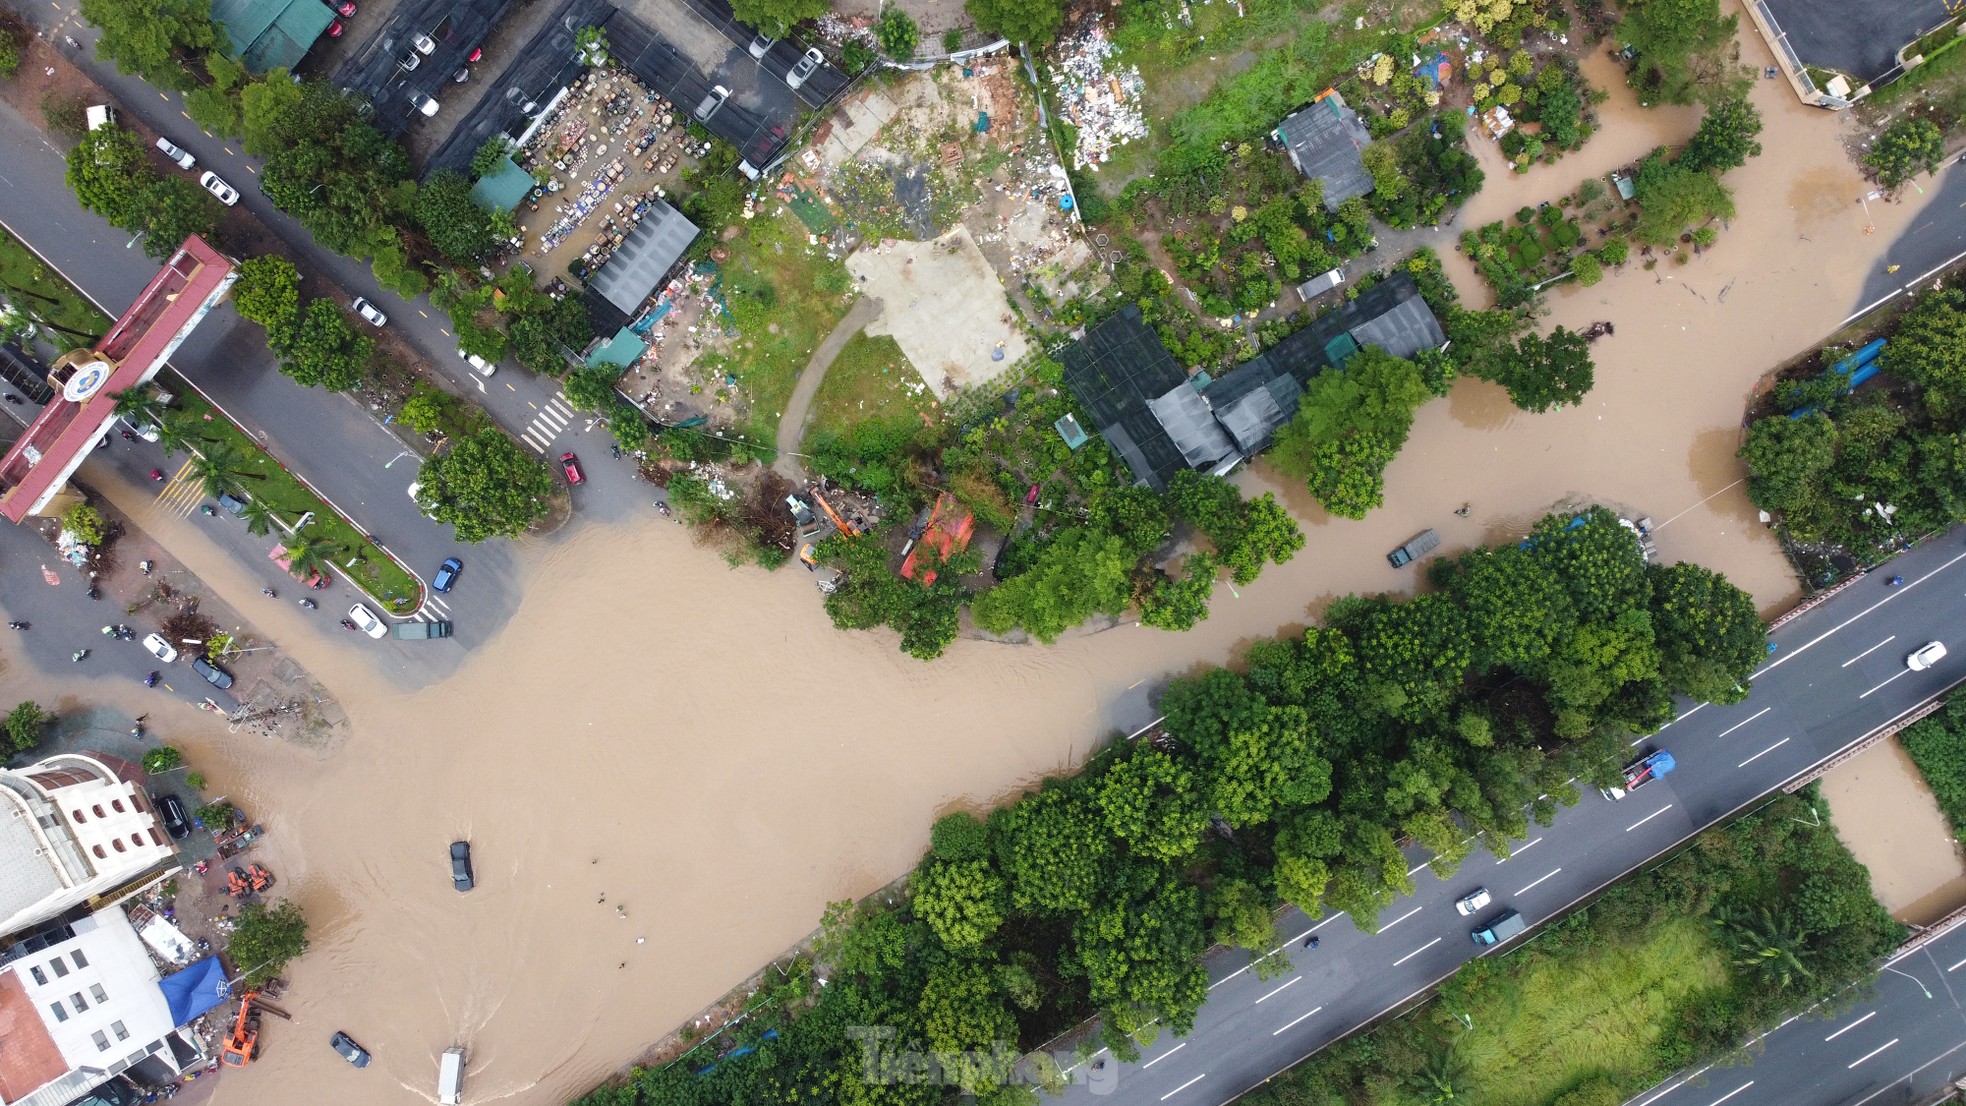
<point x="702" y="748"/>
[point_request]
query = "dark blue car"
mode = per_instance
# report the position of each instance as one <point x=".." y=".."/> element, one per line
<point x="447" y="574"/>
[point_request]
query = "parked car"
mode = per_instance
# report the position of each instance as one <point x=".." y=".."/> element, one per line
<point x="170" y="811"/>
<point x="761" y="45"/>
<point x="345" y="9"/>
<point x="461" y="866"/>
<point x="366" y="621"/>
<point x="1931" y="653"/>
<point x="713" y="100"/>
<point x="427" y="105"/>
<point x="446" y="574"/>
<point x="369" y="312"/>
<point x="160" y="648"/>
<point x="176" y="153"/>
<point x="424" y="44"/>
<point x="215" y="676"/>
<point x="334" y="31"/>
<point x="462" y="75"/>
<point x="571" y="465"/>
<point x="350" y="1051"/>
<point x="1473" y="902"/>
<point x="408" y="62"/>
<point x="478" y="364"/>
<point x="805" y="68"/>
<point x="144" y="430"/>
<point x="212" y="183"/>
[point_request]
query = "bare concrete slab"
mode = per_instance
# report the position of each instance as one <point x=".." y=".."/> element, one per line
<point x="945" y="307"/>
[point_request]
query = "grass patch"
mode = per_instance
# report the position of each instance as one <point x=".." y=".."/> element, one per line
<point x="1937" y="744"/>
<point x="870" y="380"/>
<point x="270" y="482"/>
<point x="47" y="299"/>
<point x="784" y="297"/>
<point x="1941" y="82"/>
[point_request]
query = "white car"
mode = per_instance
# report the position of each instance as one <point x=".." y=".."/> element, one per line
<point x="427" y="105"/>
<point x="160" y="648"/>
<point x="366" y="621"/>
<point x="424" y="44"/>
<point x="142" y="430"/>
<point x="176" y="153"/>
<point x="760" y="45"/>
<point x="226" y="194"/>
<point x="1469" y="904"/>
<point x="368" y="312"/>
<point x="478" y="364"/>
<point x="1930" y="654"/>
<point x="805" y="68"/>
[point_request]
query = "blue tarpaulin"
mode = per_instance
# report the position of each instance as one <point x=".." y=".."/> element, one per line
<point x="195" y="989"/>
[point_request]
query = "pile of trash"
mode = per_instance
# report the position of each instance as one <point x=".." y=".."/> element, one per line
<point x="1097" y="97"/>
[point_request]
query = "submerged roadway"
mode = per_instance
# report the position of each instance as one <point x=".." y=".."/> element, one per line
<point x="1838" y="674"/>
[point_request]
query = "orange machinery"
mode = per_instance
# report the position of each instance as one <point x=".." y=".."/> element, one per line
<point x="242" y="1047"/>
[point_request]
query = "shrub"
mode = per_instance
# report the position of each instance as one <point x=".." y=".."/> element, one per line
<point x="24" y="725"/>
<point x="162" y="759"/>
<point x="959" y="836"/>
<point x="897" y="34"/>
<point x="1587" y="270"/>
<point x="85" y="522"/>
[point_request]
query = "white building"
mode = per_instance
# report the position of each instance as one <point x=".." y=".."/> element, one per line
<point x="75" y="828"/>
<point x="80" y="1003"/>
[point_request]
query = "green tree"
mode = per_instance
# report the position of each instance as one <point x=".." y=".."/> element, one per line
<point x="265" y="939"/>
<point x="1725" y="139"/>
<point x="1263" y="763"/>
<point x="591" y="389"/>
<point x="457" y="226"/>
<point x="495" y="149"/>
<point x="311" y="552"/>
<point x="1033" y="23"/>
<point x="1080" y="574"/>
<point x="486" y="486"/>
<point x="776" y="17"/>
<point x="175" y="209"/>
<point x="1270" y="536"/>
<point x="109" y="176"/>
<point x="324" y="349"/>
<point x="1211" y="504"/>
<point x="1789" y="462"/>
<point x="963" y="1016"/>
<point x="215" y="106"/>
<point x="1141" y="947"/>
<point x="1929" y="350"/>
<point x="258" y="516"/>
<point x="1054" y="847"/>
<point x="1548" y="372"/>
<point x="1710" y="636"/>
<point x="1515" y="606"/>
<point x="1239" y="914"/>
<point x="1672" y="198"/>
<point x="1681" y="48"/>
<point x="1348" y="475"/>
<point x="959" y="836"/>
<point x="268" y="293"/>
<point x="897" y="34"/>
<point x="1181" y="604"/>
<point x="138" y="406"/>
<point x="24" y="725"/>
<point x="272" y="117"/>
<point x="220" y="469"/>
<point x="1587" y="269"/>
<point x="961" y="900"/>
<point x="162" y="759"/>
<point x="425" y="410"/>
<point x="1767" y="946"/>
<point x="1150" y="802"/>
<point x="85" y="522"/>
<point x="152" y="38"/>
<point x="1907" y="148"/>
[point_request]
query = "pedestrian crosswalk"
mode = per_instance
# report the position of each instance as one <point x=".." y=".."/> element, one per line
<point x="547" y="425"/>
<point x="434" y="609"/>
<point x="182" y="493"/>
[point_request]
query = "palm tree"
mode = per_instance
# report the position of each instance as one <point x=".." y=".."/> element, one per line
<point x="1767" y="945"/>
<point x="220" y="468"/>
<point x="259" y="517"/>
<point x="174" y="436"/>
<point x="1443" y="1073"/>
<point x="138" y="406"/>
<point x="311" y="552"/>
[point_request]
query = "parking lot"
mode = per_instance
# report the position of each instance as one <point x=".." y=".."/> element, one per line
<point x="1859" y="37"/>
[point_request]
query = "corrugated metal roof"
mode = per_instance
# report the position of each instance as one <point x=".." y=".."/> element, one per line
<point x="1406" y="327"/>
<point x="642" y="262"/>
<point x="1188" y="420"/>
<point x="1325" y="141"/>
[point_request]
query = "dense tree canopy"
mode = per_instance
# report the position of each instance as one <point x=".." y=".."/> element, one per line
<point x="268" y="292"/>
<point x="776" y="17"/>
<point x="1907" y="147"/>
<point x="1681" y="48"/>
<point x="1674" y="198"/>
<point x="1033" y="23"/>
<point x="486" y="486"/>
<point x="457" y="226"/>
<point x="108" y="174"/>
<point x="323" y="349"/>
<point x="1725" y="139"/>
<point x="1349" y="426"/>
<point x="154" y="39"/>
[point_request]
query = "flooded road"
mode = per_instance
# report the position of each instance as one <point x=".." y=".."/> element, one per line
<point x="700" y="746"/>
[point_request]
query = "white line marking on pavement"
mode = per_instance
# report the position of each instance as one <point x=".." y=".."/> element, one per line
<point x="1518" y="851"/>
<point x="1882" y="686"/>
<point x="1956" y="967"/>
<point x="1909" y="1075"/>
<point x="1182" y="1087"/>
<point x="1399" y="919"/>
<point x="1791" y="654"/>
<point x="1763" y="753"/>
<point x="1750" y="718"/>
<point x="1164" y="1056"/>
<point x="1273" y="994"/>
<point x="1732" y="1093"/>
<point x="1321" y="924"/>
<point x="1648" y="817"/>
<point x="1849" y="1027"/>
<point x="1532" y="886"/>
<point x="1872" y="1052"/>
<point x="1416" y="952"/>
<point x="1869" y="651"/>
<point x="1416" y="867"/>
<point x="1295" y="1020"/>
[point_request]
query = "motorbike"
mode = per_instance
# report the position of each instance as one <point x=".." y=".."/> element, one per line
<point x="78" y="654"/>
<point x="308" y="603"/>
<point x="110" y="631"/>
<point x="269" y="593"/>
<point x="347" y="624"/>
<point x="136" y="730"/>
<point x="662" y="508"/>
<point x="1311" y="942"/>
<point x="150" y="680"/>
<point x="1894" y="581"/>
<point x="129" y="437"/>
<point x="207" y="509"/>
<point x="16" y="625"/>
<point x="95" y="592"/>
<point x="157" y="474"/>
<point x="146" y="566"/>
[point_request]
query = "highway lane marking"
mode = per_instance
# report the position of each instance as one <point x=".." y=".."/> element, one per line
<point x="1732" y="1093"/>
<point x="1849" y="1027"/>
<point x="1295" y="1020"/>
<point x="1912" y="1074"/>
<point x="1869" y="651"/>
<point x="1763" y="753"/>
<point x="1871" y="1053"/>
<point x="1648" y="817"/>
<point x="1399" y="919"/>
<point x="1532" y="886"/>
<point x="1416" y="867"/>
<point x="1516" y="852"/>
<point x="1416" y="952"/>
<point x="1163" y="1056"/>
<point x="1885" y="684"/>
<point x="1750" y="718"/>
<point x="1183" y="1087"/>
<point x="1800" y="649"/>
<point x="1956" y="967"/>
<point x="1321" y="924"/>
<point x="1293" y="982"/>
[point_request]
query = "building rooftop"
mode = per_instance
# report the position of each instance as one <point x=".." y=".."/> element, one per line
<point x="29" y="1057"/>
<point x="272" y="34"/>
<point x="642" y="263"/>
<point x="505" y="188"/>
<point x="1325" y="141"/>
<point x="1116" y="371"/>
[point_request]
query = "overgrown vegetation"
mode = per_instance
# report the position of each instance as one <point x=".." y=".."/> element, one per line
<point x="111" y="176"/>
<point x="1665" y="971"/>
<point x="1937" y="744"/>
<point x="1476" y="708"/>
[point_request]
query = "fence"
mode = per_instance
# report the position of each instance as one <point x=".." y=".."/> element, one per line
<point x="1790" y="64"/>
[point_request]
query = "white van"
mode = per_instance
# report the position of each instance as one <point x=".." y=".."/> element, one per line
<point x="450" y="1076"/>
<point x="100" y="115"/>
<point x="478" y="364"/>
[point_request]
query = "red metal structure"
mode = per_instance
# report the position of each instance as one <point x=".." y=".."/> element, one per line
<point x="191" y="283"/>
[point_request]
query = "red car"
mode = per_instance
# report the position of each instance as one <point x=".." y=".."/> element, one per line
<point x="334" y="29"/>
<point x="572" y="466"/>
<point x="346" y="9"/>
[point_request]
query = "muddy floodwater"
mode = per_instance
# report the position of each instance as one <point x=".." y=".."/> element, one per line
<point x="1887" y="817"/>
<point x="700" y="747"/>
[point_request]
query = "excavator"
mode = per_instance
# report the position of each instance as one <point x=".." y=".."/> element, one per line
<point x="242" y="1047"/>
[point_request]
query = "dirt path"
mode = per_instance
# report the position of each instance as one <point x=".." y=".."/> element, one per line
<point x="792" y="424"/>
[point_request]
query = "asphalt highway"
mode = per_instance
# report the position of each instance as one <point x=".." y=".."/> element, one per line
<point x="1838" y="674"/>
<point x="1898" y="1043"/>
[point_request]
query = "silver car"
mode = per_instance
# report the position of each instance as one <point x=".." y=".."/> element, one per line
<point x="1473" y="902"/>
<point x="366" y="621"/>
<point x="1931" y="653"/>
<point x="176" y="153"/>
<point x="806" y="67"/>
